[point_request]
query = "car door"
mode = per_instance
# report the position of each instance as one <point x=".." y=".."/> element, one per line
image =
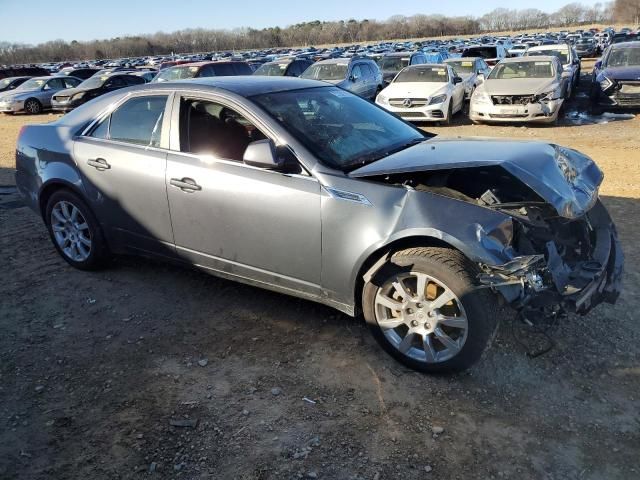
<point x="52" y="86"/>
<point x="238" y="220"/>
<point x="122" y="159"/>
<point x="358" y="82"/>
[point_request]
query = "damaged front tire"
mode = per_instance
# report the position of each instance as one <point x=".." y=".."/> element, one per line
<point x="425" y="309"/>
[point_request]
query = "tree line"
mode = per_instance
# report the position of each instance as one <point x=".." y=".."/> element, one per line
<point x="319" y="32"/>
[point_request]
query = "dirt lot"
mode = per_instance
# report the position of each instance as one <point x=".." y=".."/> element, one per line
<point x="95" y="368"/>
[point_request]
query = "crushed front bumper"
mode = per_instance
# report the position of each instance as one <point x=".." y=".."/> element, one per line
<point x="546" y="279"/>
<point x="542" y="112"/>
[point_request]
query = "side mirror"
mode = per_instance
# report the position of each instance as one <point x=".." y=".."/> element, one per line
<point x="262" y="154"/>
<point x="457" y="80"/>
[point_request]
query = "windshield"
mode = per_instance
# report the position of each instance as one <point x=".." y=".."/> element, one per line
<point x="624" y="57"/>
<point x="423" y="74"/>
<point x="343" y="130"/>
<point x="326" y="71"/>
<point x="32" y="84"/>
<point x="505" y="71"/>
<point x="563" y="55"/>
<point x="176" y="73"/>
<point x="393" y="64"/>
<point x="463" y="66"/>
<point x="272" y="69"/>
<point x="94" y="82"/>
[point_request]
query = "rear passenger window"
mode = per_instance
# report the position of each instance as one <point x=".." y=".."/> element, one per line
<point x="242" y="68"/>
<point x="138" y="121"/>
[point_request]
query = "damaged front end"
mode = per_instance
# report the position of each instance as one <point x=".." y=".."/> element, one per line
<point x="561" y="245"/>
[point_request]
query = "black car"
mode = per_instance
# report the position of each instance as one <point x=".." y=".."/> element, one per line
<point x="11" y="83"/>
<point x="586" y="47"/>
<point x="91" y="88"/>
<point x="23" y="71"/>
<point x="82" y="73"/>
<point x="616" y="77"/>
<point x="392" y="63"/>
<point x="287" y="67"/>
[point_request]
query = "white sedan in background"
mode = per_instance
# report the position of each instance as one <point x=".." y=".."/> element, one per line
<point x="523" y="89"/>
<point x="473" y="71"/>
<point x="424" y="93"/>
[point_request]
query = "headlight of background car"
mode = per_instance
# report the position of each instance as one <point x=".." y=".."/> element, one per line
<point x="381" y="99"/>
<point x="77" y="96"/>
<point x="605" y="83"/>
<point x="480" y="97"/>
<point x="438" y="99"/>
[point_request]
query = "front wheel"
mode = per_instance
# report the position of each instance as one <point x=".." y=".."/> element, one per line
<point x="33" y="106"/>
<point x="424" y="308"/>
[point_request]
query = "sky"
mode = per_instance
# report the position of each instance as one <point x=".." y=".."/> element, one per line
<point x="35" y="21"/>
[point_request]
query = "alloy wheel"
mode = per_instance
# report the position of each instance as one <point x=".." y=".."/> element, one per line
<point x="71" y="231"/>
<point x="421" y="317"/>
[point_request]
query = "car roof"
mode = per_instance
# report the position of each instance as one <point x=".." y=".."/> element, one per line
<point x="625" y="45"/>
<point x="555" y="46"/>
<point x="243" y="85"/>
<point x="541" y="58"/>
<point x="15" y="78"/>
<point x="457" y="59"/>
<point x="398" y="54"/>
<point x="202" y="64"/>
<point x="425" y="65"/>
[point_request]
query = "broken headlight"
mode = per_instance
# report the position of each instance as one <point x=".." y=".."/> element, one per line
<point x="583" y="178"/>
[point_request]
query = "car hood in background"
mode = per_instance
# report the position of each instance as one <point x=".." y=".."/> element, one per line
<point x="414" y="89"/>
<point x="519" y="86"/>
<point x="566" y="179"/>
<point x="17" y="93"/>
<point x="623" y="73"/>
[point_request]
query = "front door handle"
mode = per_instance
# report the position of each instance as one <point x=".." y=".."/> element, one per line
<point x="99" y="163"/>
<point x="185" y="184"/>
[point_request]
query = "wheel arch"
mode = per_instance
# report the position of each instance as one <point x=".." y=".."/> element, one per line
<point x="51" y="187"/>
<point x="376" y="258"/>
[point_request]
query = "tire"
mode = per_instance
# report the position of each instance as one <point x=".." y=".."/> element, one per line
<point x="449" y="118"/>
<point x="446" y="271"/>
<point x="69" y="233"/>
<point x="33" y="106"/>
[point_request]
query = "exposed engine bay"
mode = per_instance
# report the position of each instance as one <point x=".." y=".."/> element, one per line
<point x="558" y="263"/>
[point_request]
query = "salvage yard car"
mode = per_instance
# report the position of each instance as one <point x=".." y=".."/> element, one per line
<point x="424" y="93"/>
<point x="473" y="72"/>
<point x="288" y="67"/>
<point x="203" y="69"/>
<point x="356" y="75"/>
<point x="303" y="188"/>
<point x="523" y="89"/>
<point x="616" y="77"/>
<point x="568" y="57"/>
<point x="34" y="95"/>
<point x="91" y="88"/>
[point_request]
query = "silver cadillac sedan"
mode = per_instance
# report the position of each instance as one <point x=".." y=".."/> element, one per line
<point x="306" y="189"/>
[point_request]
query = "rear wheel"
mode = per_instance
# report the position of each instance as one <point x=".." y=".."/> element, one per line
<point x="75" y="232"/>
<point x="424" y="309"/>
<point x="33" y="106"/>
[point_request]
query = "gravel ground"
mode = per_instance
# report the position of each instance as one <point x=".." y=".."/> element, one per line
<point x="151" y="371"/>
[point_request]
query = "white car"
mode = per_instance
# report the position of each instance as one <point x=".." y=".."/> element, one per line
<point x="472" y="70"/>
<point x="424" y="93"/>
<point x="524" y="89"/>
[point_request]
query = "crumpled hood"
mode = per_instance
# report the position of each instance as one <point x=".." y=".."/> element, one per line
<point x="565" y="178"/>
<point x="622" y="73"/>
<point x="519" y="86"/>
<point x="414" y="89"/>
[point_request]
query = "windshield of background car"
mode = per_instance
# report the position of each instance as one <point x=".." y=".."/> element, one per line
<point x="563" y="55"/>
<point x="93" y="82"/>
<point x="463" y="66"/>
<point x="624" y="57"/>
<point x="343" y="130"/>
<point x="326" y="71"/>
<point x="272" y="69"/>
<point x="4" y="83"/>
<point x="176" y="73"/>
<point x="393" y="64"/>
<point x="423" y="74"/>
<point x="506" y="71"/>
<point x="483" y="52"/>
<point x="32" y="84"/>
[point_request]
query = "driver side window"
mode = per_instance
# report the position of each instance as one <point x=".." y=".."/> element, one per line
<point x="210" y="128"/>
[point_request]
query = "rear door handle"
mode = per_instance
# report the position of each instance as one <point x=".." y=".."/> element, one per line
<point x="185" y="184"/>
<point x="99" y="163"/>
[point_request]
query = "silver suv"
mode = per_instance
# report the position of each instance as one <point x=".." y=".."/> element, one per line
<point x="357" y="75"/>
